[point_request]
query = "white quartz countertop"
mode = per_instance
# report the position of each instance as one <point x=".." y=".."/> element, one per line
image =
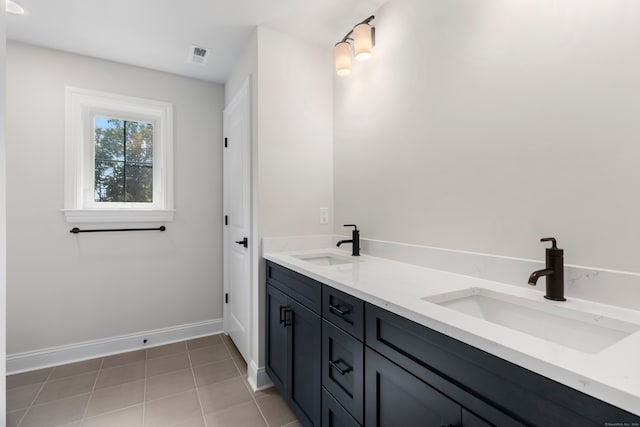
<point x="611" y="375"/>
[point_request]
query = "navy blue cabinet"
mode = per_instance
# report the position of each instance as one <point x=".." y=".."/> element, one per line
<point x="294" y="338"/>
<point x="394" y="397"/>
<point x="304" y="386"/>
<point x="343" y="369"/>
<point x="341" y="362"/>
<point x="490" y="389"/>
<point x="471" y="420"/>
<point x="344" y="311"/>
<point x="276" y="343"/>
<point x="333" y="414"/>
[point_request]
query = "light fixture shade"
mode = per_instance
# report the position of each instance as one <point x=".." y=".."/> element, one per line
<point x="362" y="42"/>
<point x="343" y="59"/>
<point x="14" y="8"/>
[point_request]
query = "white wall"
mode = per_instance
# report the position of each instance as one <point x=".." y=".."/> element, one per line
<point x="64" y="288"/>
<point x="245" y="68"/>
<point x="292" y="148"/>
<point x="295" y="134"/>
<point x="3" y="210"/>
<point x="295" y="143"/>
<point x="484" y="126"/>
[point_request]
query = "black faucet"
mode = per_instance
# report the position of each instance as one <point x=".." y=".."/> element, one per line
<point x="554" y="272"/>
<point x="355" y="240"/>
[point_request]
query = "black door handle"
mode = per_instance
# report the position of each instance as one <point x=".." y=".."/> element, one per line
<point x="244" y="242"/>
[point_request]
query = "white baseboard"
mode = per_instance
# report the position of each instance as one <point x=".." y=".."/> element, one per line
<point x="53" y="356"/>
<point x="257" y="377"/>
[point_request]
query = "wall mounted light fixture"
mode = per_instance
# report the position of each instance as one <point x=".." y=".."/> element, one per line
<point x="363" y="38"/>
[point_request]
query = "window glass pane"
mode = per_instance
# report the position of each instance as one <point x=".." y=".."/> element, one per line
<point x="109" y="179"/>
<point x="139" y="158"/>
<point x="123" y="161"/>
<point x="139" y="180"/>
<point x="109" y="134"/>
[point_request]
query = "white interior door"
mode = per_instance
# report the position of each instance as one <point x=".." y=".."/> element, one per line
<point x="237" y="211"/>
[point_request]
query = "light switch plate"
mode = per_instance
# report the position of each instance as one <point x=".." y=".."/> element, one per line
<point x="324" y="216"/>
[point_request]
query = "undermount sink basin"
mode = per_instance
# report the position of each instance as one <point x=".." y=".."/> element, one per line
<point x="583" y="331"/>
<point x="327" y="259"/>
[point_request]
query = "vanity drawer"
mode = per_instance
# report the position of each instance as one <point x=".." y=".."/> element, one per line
<point x="498" y="391"/>
<point x="333" y="414"/>
<point x="305" y="290"/>
<point x="343" y="369"/>
<point x="344" y="311"/>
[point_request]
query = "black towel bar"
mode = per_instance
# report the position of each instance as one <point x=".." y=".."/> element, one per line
<point x="76" y="230"/>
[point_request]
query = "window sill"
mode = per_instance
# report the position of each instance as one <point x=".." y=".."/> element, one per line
<point x="88" y="216"/>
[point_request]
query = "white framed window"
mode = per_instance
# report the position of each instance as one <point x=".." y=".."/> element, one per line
<point x="119" y="158"/>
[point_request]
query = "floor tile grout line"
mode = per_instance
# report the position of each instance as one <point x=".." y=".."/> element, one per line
<point x="170" y="395"/>
<point x="168" y="373"/>
<point x="231" y="353"/>
<point x="86" y="409"/>
<point x="36" y="397"/>
<point x="255" y="402"/>
<point x="233" y="359"/>
<point x="164" y="356"/>
<point x="124" y="408"/>
<point x="53" y="380"/>
<point x="48" y="380"/>
<point x="106" y="368"/>
<point x="195" y="384"/>
<point x="22" y="418"/>
<point x="252" y="393"/>
<point x="226" y="346"/>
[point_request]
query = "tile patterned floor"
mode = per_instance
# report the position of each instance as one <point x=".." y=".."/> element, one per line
<point x="195" y="383"/>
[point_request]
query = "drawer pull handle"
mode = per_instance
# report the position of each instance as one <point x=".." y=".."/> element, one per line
<point x="340" y="370"/>
<point x="338" y="310"/>
<point x="284" y="310"/>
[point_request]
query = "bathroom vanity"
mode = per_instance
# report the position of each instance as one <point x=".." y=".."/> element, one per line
<point x="363" y="341"/>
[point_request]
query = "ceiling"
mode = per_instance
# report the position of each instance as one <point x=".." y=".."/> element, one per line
<point x="158" y="34"/>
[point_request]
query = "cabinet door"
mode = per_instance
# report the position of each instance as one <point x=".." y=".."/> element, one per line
<point x="394" y="397"/>
<point x="471" y="420"/>
<point x="304" y="387"/>
<point x="333" y="414"/>
<point x="343" y="369"/>
<point x="278" y="314"/>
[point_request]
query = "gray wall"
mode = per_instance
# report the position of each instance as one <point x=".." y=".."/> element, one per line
<point x="65" y="289"/>
<point x="483" y="126"/>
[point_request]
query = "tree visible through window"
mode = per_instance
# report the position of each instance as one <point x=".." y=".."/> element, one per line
<point x="123" y="161"/>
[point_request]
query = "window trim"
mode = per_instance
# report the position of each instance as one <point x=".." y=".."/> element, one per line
<point x="82" y="106"/>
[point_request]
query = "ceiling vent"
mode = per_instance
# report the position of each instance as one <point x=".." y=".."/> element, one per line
<point x="198" y="55"/>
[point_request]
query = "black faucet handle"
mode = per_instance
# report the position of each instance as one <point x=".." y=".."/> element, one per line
<point x="552" y="240"/>
<point x="352" y="225"/>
